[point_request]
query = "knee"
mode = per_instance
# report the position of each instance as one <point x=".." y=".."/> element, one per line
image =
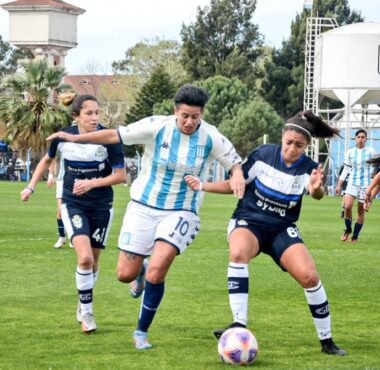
<point x="86" y="262"/>
<point x="124" y="275"/>
<point x="238" y="255"/>
<point x="154" y="275"/>
<point x="309" y="279"/>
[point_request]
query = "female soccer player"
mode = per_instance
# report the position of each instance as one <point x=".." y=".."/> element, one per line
<point x="161" y="221"/>
<point x="87" y="198"/>
<point x="358" y="174"/>
<point x="264" y="219"/>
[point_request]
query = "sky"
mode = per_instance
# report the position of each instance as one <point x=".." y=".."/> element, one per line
<point x="108" y="28"/>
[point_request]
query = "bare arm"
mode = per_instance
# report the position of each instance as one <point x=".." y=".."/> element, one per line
<point x="109" y="136"/>
<point x="237" y="181"/>
<point x="39" y="171"/>
<point x="83" y="186"/>
<point x="194" y="183"/>
<point x="51" y="176"/>
<point x="371" y="191"/>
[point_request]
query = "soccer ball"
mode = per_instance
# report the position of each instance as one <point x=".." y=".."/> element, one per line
<point x="238" y="346"/>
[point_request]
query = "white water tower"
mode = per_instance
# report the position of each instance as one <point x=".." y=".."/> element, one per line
<point x="347" y="69"/>
<point x="47" y="27"/>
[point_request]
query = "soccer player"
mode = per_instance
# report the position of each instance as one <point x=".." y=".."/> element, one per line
<point x="161" y="220"/>
<point x="358" y="172"/>
<point x="87" y="197"/>
<point x="264" y="220"/>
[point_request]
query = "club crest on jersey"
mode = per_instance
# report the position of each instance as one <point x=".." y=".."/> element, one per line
<point x="77" y="221"/>
<point x="296" y="185"/>
<point x="165" y="145"/>
<point x="100" y="152"/>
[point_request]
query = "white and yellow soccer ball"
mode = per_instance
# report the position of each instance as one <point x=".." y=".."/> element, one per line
<point x="238" y="346"/>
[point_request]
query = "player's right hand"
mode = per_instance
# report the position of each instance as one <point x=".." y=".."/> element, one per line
<point x="25" y="194"/>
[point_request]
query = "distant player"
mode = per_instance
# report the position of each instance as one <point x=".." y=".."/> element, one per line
<point x="89" y="172"/>
<point x="358" y="174"/>
<point x="161" y="221"/>
<point x="264" y="220"/>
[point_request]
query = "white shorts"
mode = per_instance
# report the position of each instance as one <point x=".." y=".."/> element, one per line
<point x="356" y="191"/>
<point x="143" y="225"/>
<point x="59" y="189"/>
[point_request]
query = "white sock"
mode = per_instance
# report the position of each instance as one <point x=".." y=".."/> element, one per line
<point x="85" y="284"/>
<point x="95" y="275"/>
<point x="319" y="306"/>
<point x="238" y="286"/>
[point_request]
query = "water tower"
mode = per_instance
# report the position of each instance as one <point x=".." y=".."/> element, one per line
<point x="47" y="27"/>
<point x="347" y="71"/>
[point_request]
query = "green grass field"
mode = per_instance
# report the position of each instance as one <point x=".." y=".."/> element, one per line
<point x="38" y="297"/>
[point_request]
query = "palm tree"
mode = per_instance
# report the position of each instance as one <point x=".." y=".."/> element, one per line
<point x="29" y="107"/>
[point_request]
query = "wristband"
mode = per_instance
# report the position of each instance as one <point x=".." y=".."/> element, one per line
<point x="30" y="189"/>
<point x="50" y="176"/>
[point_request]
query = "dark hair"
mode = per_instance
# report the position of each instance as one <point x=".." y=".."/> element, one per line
<point x="310" y="125"/>
<point x="360" y="132"/>
<point x="191" y="95"/>
<point x="77" y="103"/>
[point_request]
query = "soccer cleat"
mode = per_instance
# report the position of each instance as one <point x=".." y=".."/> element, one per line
<point x="218" y="332"/>
<point x="88" y="323"/>
<point x="330" y="348"/>
<point x="354" y="240"/>
<point x="60" y="242"/>
<point x="79" y="313"/>
<point x="137" y="285"/>
<point x="345" y="235"/>
<point x="140" y="340"/>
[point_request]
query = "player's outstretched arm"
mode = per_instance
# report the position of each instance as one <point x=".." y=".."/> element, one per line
<point x="109" y="136"/>
<point x="237" y="181"/>
<point x="194" y="183"/>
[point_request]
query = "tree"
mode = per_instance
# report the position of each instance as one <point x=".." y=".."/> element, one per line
<point x="29" y="106"/>
<point x="222" y="41"/>
<point x="225" y="95"/>
<point x="283" y="85"/>
<point x="9" y="57"/>
<point x="252" y="121"/>
<point x="158" y="88"/>
<point x="145" y="56"/>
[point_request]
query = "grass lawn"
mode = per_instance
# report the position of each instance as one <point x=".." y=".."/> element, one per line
<point x="38" y="298"/>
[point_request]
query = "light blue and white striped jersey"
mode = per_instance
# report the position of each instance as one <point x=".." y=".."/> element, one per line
<point x="170" y="155"/>
<point x="360" y="171"/>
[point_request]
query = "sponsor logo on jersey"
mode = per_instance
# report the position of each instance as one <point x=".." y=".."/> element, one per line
<point x="77" y="221"/>
<point x="102" y="166"/>
<point x="165" y="145"/>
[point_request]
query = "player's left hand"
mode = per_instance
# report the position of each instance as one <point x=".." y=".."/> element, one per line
<point x="194" y="183"/>
<point x="82" y="186"/>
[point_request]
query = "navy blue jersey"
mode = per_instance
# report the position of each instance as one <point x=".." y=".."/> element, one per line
<point x="273" y="194"/>
<point x="87" y="161"/>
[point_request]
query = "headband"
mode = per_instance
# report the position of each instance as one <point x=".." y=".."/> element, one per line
<point x="301" y="128"/>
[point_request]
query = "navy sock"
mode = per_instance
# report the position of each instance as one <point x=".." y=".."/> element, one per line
<point x="152" y="297"/>
<point x="61" y="228"/>
<point x="357" y="229"/>
<point x="348" y="223"/>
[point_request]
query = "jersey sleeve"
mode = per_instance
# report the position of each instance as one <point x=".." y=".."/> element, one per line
<point x="140" y="132"/>
<point x="52" y="152"/>
<point x="224" y="152"/>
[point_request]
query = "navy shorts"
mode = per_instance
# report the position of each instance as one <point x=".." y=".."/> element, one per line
<point x="273" y="242"/>
<point x="94" y="223"/>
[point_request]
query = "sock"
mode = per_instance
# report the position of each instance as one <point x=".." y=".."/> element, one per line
<point x="61" y="228"/>
<point x="151" y="299"/>
<point x="357" y="229"/>
<point x="95" y="275"/>
<point x="85" y="284"/>
<point x="319" y="306"/>
<point x="238" y="286"/>
<point x="348" y="223"/>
